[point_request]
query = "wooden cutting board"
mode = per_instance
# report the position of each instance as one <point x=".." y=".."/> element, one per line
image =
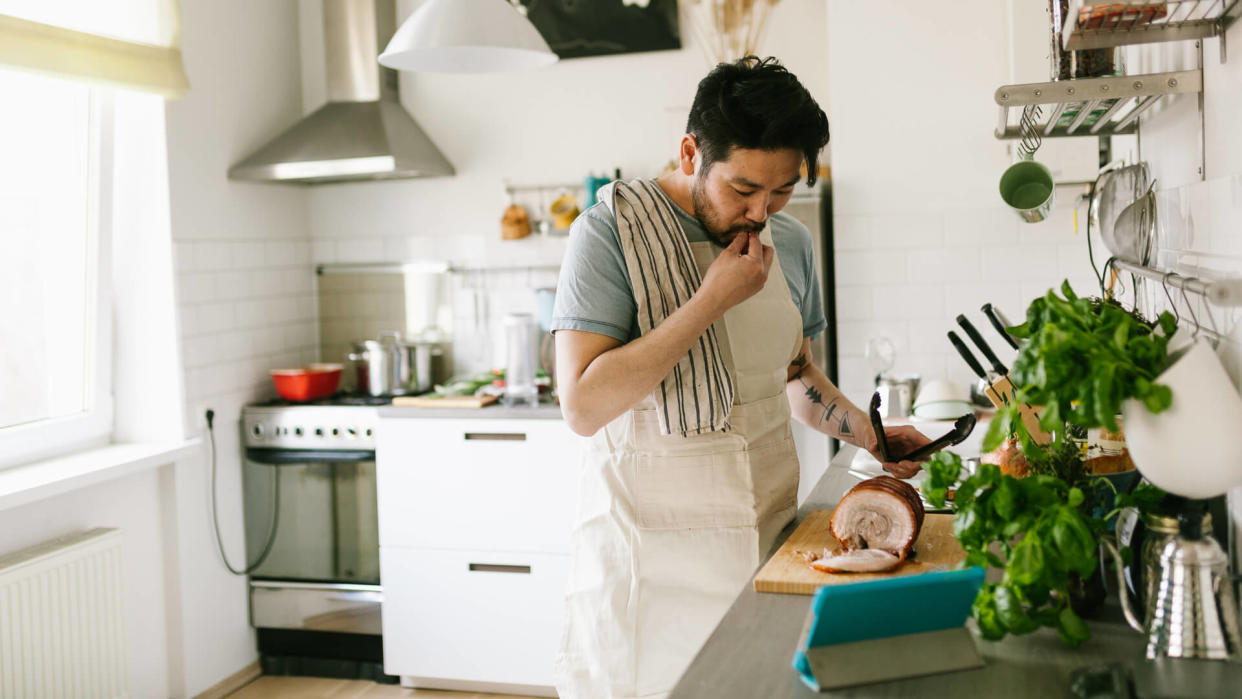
<point x="447" y="402"/>
<point x="790" y="573"/>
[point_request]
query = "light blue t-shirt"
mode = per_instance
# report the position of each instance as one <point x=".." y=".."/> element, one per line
<point x="594" y="292"/>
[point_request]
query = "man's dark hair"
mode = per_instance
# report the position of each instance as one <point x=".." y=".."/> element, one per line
<point x="756" y="104"/>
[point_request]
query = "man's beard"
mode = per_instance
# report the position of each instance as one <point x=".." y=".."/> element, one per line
<point x="717" y="232"/>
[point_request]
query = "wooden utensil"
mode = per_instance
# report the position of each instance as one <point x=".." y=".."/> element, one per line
<point x="789" y="572"/>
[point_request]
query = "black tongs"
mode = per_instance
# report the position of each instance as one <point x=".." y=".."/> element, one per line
<point x="962" y="428"/>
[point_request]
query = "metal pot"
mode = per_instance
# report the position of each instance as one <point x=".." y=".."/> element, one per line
<point x="391" y="366"/>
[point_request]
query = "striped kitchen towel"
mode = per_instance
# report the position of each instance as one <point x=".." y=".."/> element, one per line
<point x="697" y="395"/>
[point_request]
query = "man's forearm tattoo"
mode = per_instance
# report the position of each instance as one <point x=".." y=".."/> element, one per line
<point x="798" y="364"/>
<point x="814" y="395"/>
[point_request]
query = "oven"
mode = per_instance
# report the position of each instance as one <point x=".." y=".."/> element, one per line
<point x="308" y="486"/>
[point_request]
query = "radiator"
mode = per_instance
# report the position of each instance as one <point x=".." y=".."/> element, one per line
<point x="62" y="619"/>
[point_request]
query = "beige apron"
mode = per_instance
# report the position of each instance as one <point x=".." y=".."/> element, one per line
<point x="671" y="528"/>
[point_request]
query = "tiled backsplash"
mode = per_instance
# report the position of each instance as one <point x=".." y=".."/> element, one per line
<point x="907" y="276"/>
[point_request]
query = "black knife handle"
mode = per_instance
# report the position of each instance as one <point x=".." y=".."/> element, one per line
<point x="976" y="338"/>
<point x="1000" y="327"/>
<point x="967" y="355"/>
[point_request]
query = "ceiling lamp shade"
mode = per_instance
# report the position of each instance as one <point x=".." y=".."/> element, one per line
<point x="467" y="36"/>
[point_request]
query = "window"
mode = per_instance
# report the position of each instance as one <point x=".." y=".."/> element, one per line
<point x="55" y="320"/>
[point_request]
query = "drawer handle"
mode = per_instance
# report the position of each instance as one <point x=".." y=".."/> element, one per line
<point x="498" y="568"/>
<point x="496" y="436"/>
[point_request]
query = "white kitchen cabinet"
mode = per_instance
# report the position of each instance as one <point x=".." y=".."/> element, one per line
<point x="491" y="484"/>
<point x="475" y="516"/>
<point x="459" y="619"/>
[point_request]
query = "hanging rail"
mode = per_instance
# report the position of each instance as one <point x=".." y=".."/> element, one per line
<point x="1226" y="292"/>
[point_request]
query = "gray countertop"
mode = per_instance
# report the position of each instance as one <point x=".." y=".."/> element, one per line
<point x="496" y="411"/>
<point x="749" y="655"/>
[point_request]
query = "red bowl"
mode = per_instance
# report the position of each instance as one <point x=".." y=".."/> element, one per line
<point x="307" y="383"/>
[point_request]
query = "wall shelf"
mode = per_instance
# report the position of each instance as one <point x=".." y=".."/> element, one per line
<point x="1095" y="25"/>
<point x="1090" y="106"/>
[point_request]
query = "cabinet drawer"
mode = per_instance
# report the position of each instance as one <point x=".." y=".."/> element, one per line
<point x="472" y="616"/>
<point x="495" y="485"/>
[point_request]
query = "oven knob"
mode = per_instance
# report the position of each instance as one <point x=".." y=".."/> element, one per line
<point x="297" y="431"/>
<point x="318" y="431"/>
<point x="336" y="432"/>
<point x="352" y="432"/>
<point x="257" y="431"/>
<point x="368" y="432"/>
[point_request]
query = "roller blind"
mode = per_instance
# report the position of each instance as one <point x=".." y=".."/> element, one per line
<point x="128" y="44"/>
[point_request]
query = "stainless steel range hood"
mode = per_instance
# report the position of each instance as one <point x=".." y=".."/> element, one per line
<point x="363" y="132"/>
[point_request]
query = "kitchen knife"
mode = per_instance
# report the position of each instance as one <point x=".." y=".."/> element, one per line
<point x="983" y="346"/>
<point x="994" y="317"/>
<point x="969" y="357"/>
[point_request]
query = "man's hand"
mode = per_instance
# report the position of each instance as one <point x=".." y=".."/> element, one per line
<point x="901" y="439"/>
<point x="739" y="272"/>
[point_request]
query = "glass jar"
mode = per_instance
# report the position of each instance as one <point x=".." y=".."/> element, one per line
<point x="1090" y="63"/>
<point x="520" y="388"/>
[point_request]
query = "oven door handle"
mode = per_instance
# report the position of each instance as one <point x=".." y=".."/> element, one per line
<point x="282" y="457"/>
<point x="376" y="597"/>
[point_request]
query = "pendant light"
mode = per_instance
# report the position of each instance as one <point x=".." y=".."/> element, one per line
<point x="467" y="36"/>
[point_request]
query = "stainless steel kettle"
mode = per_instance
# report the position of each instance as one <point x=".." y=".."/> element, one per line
<point x="1190" y="611"/>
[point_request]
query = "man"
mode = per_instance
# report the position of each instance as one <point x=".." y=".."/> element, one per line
<point x="683" y="318"/>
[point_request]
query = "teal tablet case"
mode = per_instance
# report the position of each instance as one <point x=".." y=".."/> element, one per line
<point x="885" y="629"/>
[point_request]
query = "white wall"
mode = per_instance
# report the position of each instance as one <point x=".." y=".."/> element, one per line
<point x="244" y="289"/>
<point x="921" y="232"/>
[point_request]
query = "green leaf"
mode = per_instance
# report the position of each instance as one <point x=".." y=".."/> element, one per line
<point x="1072" y="628"/>
<point x="1075" y="497"/>
<point x="1005" y="500"/>
<point x="1011" y="612"/>
<point x="985" y="613"/>
<point x="1074" y="541"/>
<point x="1027" y="564"/>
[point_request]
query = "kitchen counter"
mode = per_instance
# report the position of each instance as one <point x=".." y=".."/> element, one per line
<point x="496" y="411"/>
<point x="749" y="655"/>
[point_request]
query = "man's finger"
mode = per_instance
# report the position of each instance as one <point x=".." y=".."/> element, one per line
<point x="738" y="244"/>
<point x="768" y="252"/>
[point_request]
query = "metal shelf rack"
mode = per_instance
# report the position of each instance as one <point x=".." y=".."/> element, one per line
<point x="1222" y="292"/>
<point x="1091" y="24"/>
<point x="1090" y="106"/>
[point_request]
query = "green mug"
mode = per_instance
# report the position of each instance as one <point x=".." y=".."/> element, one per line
<point x="1027" y="187"/>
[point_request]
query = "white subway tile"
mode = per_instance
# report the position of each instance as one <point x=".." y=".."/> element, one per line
<point x="196" y="287"/>
<point x="944" y="265"/>
<point x="247" y="255"/>
<point x="215" y="317"/>
<point x="235" y="284"/>
<point x="235" y="345"/>
<point x="200" y="351"/>
<point x="1023" y="263"/>
<point x="851" y="232"/>
<point x="360" y="250"/>
<point x="853" y="302"/>
<point x="852" y="336"/>
<point x="968" y="298"/>
<point x="870" y="267"/>
<point x="908" y="301"/>
<point x="214" y="256"/>
<point x="251" y="313"/>
<point x="921" y="230"/>
<point x="323" y="251"/>
<point x="187" y="259"/>
<point x="980" y="227"/>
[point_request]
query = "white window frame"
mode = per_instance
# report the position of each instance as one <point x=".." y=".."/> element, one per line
<point x="42" y="439"/>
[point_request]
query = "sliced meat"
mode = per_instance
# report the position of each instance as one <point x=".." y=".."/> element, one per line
<point x="860" y="561"/>
<point x="881" y="513"/>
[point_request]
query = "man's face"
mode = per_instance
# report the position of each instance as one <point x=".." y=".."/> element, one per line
<point x="737" y="195"/>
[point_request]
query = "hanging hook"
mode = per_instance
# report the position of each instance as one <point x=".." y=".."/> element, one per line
<point x="1190" y="309"/>
<point x="1164" y="283"/>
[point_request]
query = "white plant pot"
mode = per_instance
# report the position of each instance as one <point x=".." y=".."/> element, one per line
<point x="1192" y="448"/>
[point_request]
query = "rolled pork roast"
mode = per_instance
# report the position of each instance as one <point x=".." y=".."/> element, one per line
<point x="881" y="513"/>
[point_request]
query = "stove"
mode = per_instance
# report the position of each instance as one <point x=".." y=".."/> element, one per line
<point x="344" y="422"/>
<point x="311" y="525"/>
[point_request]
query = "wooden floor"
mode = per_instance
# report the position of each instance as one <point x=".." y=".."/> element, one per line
<point x="268" y="687"/>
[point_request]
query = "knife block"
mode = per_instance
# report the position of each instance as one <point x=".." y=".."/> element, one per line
<point x="1001" y="391"/>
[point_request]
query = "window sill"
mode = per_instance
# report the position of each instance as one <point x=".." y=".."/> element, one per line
<point x="27" y="483"/>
